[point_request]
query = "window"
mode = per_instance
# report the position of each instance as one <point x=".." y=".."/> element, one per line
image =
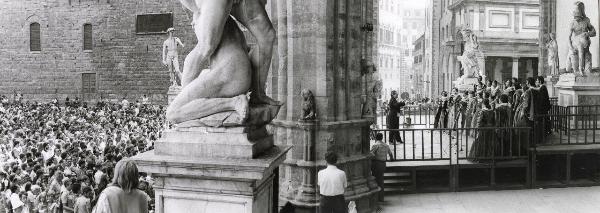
<point x="153" y="23"/>
<point x="87" y="37"/>
<point x="34" y="37"/>
<point x="88" y="82"/>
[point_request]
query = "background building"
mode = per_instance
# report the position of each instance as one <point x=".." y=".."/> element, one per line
<point x="90" y="49"/>
<point x="507" y="32"/>
<point x="419" y="73"/>
<point x="401" y="22"/>
<point x="434" y="76"/>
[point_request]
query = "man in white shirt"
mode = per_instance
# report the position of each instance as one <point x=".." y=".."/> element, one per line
<point x="332" y="184"/>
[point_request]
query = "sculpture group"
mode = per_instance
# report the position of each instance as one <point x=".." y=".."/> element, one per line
<point x="472" y="59"/>
<point x="232" y="91"/>
<point x="581" y="30"/>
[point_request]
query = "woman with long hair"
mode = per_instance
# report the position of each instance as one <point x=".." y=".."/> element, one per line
<point x="123" y="195"/>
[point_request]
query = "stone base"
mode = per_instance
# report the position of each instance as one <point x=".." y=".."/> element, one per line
<point x="207" y="142"/>
<point x="172" y="93"/>
<point x="466" y="85"/>
<point x="208" y="185"/>
<point x="551" y="82"/>
<point x="578" y="90"/>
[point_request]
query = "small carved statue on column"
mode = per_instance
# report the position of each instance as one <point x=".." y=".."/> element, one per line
<point x="580" y="58"/>
<point x="308" y="105"/>
<point x="553" y="63"/>
<point x="170" y="56"/>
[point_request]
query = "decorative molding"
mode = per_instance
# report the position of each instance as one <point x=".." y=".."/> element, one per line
<point x="530" y="20"/>
<point x="494" y="15"/>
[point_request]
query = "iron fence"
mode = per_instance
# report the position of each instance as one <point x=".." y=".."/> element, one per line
<point x="567" y="128"/>
<point x="495" y="143"/>
<point x="422" y="114"/>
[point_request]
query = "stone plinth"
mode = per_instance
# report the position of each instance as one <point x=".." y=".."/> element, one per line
<point x="578" y="90"/>
<point x="206" y="170"/>
<point x="206" y="142"/>
<point x="172" y="93"/>
<point x="551" y="82"/>
<point x="467" y="84"/>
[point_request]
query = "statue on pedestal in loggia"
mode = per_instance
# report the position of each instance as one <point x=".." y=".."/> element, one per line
<point x="472" y="59"/>
<point x="231" y="92"/>
<point x="581" y="30"/>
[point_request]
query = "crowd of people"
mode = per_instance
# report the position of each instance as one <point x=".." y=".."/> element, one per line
<point x="516" y="104"/>
<point x="59" y="157"/>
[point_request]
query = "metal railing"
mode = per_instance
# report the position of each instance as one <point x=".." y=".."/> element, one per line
<point x="491" y="143"/>
<point x="567" y="129"/>
<point x="422" y="114"/>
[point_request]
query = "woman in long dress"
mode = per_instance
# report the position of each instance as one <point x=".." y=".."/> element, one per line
<point x="483" y="146"/>
<point x="441" y="116"/>
<point x="122" y="196"/>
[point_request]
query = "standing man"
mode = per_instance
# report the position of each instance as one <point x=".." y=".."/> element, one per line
<point x="380" y="150"/>
<point x="393" y="119"/>
<point x="332" y="185"/>
<point x="170" y="56"/>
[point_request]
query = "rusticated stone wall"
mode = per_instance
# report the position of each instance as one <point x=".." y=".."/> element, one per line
<point x="125" y="63"/>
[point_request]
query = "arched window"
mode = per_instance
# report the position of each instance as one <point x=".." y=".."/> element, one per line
<point x="87" y="37"/>
<point x="34" y="37"/>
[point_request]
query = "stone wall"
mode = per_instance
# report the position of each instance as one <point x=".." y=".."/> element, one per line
<point x="125" y="63"/>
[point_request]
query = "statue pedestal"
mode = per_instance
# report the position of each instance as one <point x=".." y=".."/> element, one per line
<point x="551" y="82"/>
<point x="209" y="170"/>
<point x="172" y="93"/>
<point x="578" y="90"/>
<point x="468" y="84"/>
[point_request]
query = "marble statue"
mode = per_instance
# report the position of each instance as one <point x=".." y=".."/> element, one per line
<point x="553" y="59"/>
<point x="308" y="105"/>
<point x="472" y="58"/>
<point x="231" y="92"/>
<point x="170" y="56"/>
<point x="580" y="58"/>
<point x="252" y="15"/>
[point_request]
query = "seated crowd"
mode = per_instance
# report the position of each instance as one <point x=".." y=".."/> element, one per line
<point x="517" y="104"/>
<point x="59" y="157"/>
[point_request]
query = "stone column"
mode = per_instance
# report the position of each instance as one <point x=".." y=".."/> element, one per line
<point x="515" y="67"/>
<point x="322" y="53"/>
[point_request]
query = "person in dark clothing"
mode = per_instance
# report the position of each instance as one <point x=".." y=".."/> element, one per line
<point x="544" y="105"/>
<point x="483" y="146"/>
<point x="503" y="115"/>
<point x="441" y="116"/>
<point x="528" y="108"/>
<point x="392" y="118"/>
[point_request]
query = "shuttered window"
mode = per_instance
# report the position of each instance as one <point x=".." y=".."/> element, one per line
<point x="88" y="82"/>
<point x="34" y="37"/>
<point x="87" y="37"/>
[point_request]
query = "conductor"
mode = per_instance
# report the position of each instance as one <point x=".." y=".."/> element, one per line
<point x="393" y="122"/>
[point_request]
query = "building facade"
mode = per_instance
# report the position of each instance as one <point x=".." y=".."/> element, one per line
<point x="433" y="76"/>
<point x="419" y="73"/>
<point x="401" y="22"/>
<point x="88" y="48"/>
<point x="507" y="32"/>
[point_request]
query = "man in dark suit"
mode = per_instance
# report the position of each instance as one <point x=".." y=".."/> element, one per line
<point x="392" y="118"/>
